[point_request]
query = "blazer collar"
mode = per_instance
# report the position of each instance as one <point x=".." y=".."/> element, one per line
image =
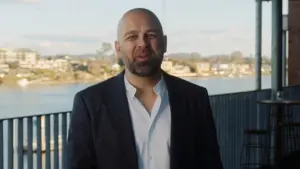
<point x="168" y="80"/>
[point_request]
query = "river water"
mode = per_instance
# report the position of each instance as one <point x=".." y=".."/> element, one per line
<point x="15" y="101"/>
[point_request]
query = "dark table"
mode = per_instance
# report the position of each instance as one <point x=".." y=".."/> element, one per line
<point x="276" y="119"/>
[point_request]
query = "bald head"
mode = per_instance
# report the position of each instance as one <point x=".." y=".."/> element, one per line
<point x="141" y="42"/>
<point x="127" y="17"/>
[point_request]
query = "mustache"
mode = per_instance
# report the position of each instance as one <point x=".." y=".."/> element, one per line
<point x="147" y="52"/>
<point x="143" y="52"/>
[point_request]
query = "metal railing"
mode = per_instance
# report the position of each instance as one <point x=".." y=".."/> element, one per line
<point x="34" y="142"/>
<point x="47" y="133"/>
<point x="235" y="112"/>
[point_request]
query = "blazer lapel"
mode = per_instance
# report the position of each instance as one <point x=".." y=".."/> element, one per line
<point x="177" y="105"/>
<point x="119" y="108"/>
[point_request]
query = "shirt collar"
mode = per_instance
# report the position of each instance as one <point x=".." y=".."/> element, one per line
<point x="159" y="88"/>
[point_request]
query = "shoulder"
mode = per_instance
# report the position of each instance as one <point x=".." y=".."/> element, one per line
<point x="98" y="90"/>
<point x="187" y="87"/>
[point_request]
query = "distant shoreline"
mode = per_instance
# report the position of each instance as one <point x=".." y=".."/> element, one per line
<point x="97" y="80"/>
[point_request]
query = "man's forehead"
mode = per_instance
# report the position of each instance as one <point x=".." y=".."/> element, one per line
<point x="136" y="20"/>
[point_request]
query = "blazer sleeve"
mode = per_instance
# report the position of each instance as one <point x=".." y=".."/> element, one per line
<point x="80" y="149"/>
<point x="213" y="151"/>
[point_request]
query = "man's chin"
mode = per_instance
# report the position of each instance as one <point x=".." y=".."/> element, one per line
<point x="144" y="72"/>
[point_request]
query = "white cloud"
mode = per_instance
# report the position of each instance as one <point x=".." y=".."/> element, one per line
<point x="30" y="1"/>
<point x="63" y="38"/>
<point x="20" y="1"/>
<point x="212" y="41"/>
<point x="45" y="44"/>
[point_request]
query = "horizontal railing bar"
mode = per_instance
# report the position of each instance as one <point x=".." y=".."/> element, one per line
<point x="34" y="115"/>
<point x="237" y="93"/>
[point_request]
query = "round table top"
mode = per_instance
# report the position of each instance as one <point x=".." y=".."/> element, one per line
<point x="282" y="102"/>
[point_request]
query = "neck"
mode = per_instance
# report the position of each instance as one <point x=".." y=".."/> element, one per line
<point x="143" y="83"/>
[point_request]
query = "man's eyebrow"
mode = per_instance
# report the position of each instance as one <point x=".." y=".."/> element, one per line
<point x="154" y="31"/>
<point x="130" y="32"/>
<point x="149" y="30"/>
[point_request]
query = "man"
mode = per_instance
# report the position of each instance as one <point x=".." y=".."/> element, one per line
<point x="142" y="118"/>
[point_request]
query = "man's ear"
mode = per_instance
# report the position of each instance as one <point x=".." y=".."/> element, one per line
<point x="117" y="48"/>
<point x="165" y="43"/>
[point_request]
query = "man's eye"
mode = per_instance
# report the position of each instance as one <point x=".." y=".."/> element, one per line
<point x="151" y="35"/>
<point x="132" y="37"/>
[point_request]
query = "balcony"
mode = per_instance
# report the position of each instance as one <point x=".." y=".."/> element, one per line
<point x="233" y="113"/>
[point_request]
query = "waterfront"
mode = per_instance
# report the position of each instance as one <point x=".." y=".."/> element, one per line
<point x="40" y="99"/>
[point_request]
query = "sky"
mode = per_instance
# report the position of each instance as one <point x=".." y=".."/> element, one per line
<point x="80" y="26"/>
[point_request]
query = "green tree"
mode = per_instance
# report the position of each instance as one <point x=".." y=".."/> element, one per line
<point x="105" y="51"/>
<point x="195" y="56"/>
<point x="236" y="57"/>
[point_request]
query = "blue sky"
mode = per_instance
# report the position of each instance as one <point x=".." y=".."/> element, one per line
<point x="80" y="26"/>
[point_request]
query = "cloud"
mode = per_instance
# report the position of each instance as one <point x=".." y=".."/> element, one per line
<point x="20" y="1"/>
<point x="211" y="36"/>
<point x="66" y="43"/>
<point x="53" y="45"/>
<point x="63" y="38"/>
<point x="45" y="44"/>
<point x="30" y="1"/>
<point x="212" y="41"/>
<point x="202" y="32"/>
<point x="52" y="48"/>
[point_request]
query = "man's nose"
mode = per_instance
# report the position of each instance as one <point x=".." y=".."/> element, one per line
<point x="142" y="42"/>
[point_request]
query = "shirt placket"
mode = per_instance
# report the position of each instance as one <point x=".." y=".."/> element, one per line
<point x="153" y="118"/>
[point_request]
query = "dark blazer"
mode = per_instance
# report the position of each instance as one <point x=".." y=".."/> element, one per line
<point x="101" y="134"/>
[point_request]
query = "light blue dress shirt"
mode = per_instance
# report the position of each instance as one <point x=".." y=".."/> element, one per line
<point x="152" y="130"/>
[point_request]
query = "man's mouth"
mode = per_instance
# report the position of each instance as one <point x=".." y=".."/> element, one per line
<point x="142" y="58"/>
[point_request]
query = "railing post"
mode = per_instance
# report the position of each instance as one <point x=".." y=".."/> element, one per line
<point x="29" y="143"/>
<point x="276" y="47"/>
<point x="277" y="88"/>
<point x="64" y="138"/>
<point x="258" y="43"/>
<point x="20" y="144"/>
<point x="38" y="142"/>
<point x="56" y="141"/>
<point x="10" y="144"/>
<point x="47" y="141"/>
<point x="1" y="145"/>
<point x="284" y="46"/>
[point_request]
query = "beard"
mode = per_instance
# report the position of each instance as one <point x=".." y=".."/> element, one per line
<point x="145" y="68"/>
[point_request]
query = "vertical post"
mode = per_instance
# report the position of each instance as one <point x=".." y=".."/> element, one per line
<point x="10" y="144"/>
<point x="284" y="42"/>
<point x="277" y="90"/>
<point x="258" y="43"/>
<point x="284" y="46"/>
<point x="276" y="47"/>
<point x="258" y="60"/>
<point x="39" y="143"/>
<point x="1" y="145"/>
<point x="20" y="144"/>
